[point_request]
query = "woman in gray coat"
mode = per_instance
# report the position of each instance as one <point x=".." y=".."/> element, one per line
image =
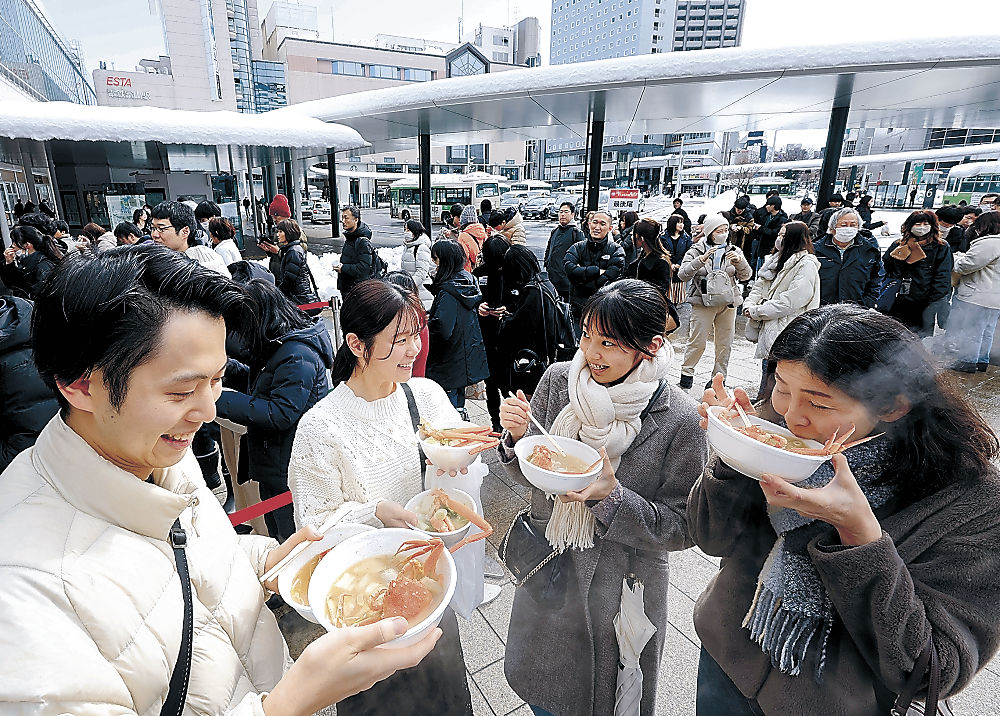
<point x="564" y="660"/>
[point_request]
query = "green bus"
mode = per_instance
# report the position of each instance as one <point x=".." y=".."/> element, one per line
<point x="446" y="189"/>
<point x="969" y="182"/>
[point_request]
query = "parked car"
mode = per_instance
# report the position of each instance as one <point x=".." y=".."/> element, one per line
<point x="307" y="208"/>
<point x="510" y="199"/>
<point x="538" y="207"/>
<point x="554" y="209"/>
<point x="321" y="212"/>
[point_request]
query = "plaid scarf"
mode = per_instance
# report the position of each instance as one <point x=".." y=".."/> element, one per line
<point x="791" y="608"/>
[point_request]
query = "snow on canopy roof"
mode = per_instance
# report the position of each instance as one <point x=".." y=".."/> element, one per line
<point x="857" y="160"/>
<point x="726" y="89"/>
<point x="971" y="169"/>
<point x="43" y="121"/>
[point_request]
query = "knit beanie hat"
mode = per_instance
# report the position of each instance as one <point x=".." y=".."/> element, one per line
<point x="279" y="207"/>
<point x="469" y="216"/>
<point x="713" y="222"/>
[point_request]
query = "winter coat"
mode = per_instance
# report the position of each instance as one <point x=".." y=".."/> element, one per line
<point x="626" y="239"/>
<point x="471" y="239"/>
<point x="514" y="230"/>
<point x="416" y="261"/>
<point x="979" y="269"/>
<point x="92" y="605"/>
<point x="273" y="393"/>
<point x="490" y="280"/>
<point x="524" y="329"/>
<point x="292" y="275"/>
<point x="741" y="230"/>
<point x="584" y="262"/>
<point x="683" y="214"/>
<point x="935" y="570"/>
<point x="653" y="269"/>
<point x="355" y="258"/>
<point x="930" y="279"/>
<point x="855" y="278"/>
<point x="677" y="248"/>
<point x="229" y="252"/>
<point x="457" y="355"/>
<point x="959" y="239"/>
<point x="25" y="275"/>
<point x="209" y="259"/>
<point x="794" y="290"/>
<point x="566" y="660"/>
<point x="768" y="232"/>
<point x="28" y="404"/>
<point x="692" y="269"/>
<point x="561" y="238"/>
<point x="866" y="217"/>
<point x="810" y="219"/>
<point x="104" y="242"/>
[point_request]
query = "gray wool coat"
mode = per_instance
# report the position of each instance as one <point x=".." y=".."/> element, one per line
<point x="566" y="660"/>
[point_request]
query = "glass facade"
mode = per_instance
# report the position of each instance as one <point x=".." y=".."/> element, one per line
<point x="36" y="60"/>
<point x="269" y="85"/>
<point x="239" y="44"/>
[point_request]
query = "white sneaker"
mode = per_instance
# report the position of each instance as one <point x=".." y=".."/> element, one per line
<point x="490" y="592"/>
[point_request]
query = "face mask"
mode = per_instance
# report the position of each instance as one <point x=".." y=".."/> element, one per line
<point x="920" y="230"/>
<point x="846" y="233"/>
<point x="719" y="239"/>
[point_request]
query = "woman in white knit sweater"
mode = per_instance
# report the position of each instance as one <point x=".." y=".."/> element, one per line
<point x="357" y="445"/>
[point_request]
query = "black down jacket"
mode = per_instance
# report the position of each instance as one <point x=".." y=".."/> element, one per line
<point x="291" y="274"/>
<point x="457" y="355"/>
<point x="27" y="403"/>
<point x="561" y="238"/>
<point x="355" y="258"/>
<point x="270" y="397"/>
<point x="855" y="277"/>
<point x="26" y="275"/>
<point x="584" y="262"/>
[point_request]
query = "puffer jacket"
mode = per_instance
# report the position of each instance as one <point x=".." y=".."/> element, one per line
<point x="584" y="262"/>
<point x="28" y="404"/>
<point x="26" y="275"/>
<point x="416" y="261"/>
<point x="979" y="271"/>
<point x="91" y="609"/>
<point x="855" y="276"/>
<point x="561" y="238"/>
<point x="355" y="258"/>
<point x="693" y="270"/>
<point x="457" y="355"/>
<point x="273" y="393"/>
<point x="514" y="230"/>
<point x="778" y="302"/>
<point x="626" y="240"/>
<point x="292" y="275"/>
<point x="471" y="239"/>
<point x="930" y="278"/>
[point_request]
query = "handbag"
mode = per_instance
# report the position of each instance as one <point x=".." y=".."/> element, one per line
<point x="887" y="296"/>
<point x="536" y="566"/>
<point x="906" y="705"/>
<point x="476" y="391"/>
<point x="173" y="705"/>
<point x="752" y="330"/>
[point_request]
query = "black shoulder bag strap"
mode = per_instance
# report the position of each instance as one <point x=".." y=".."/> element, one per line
<point x="411" y="403"/>
<point x="656" y="395"/>
<point x="177" y="693"/>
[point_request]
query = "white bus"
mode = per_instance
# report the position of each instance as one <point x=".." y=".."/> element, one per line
<point x="446" y="189"/>
<point x="531" y="185"/>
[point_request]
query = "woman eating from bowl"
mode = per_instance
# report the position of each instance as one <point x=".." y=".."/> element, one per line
<point x="832" y="588"/>
<point x="564" y="659"/>
<point x="357" y="445"/>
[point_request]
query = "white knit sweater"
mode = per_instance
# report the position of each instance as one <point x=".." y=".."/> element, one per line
<point x="350" y="450"/>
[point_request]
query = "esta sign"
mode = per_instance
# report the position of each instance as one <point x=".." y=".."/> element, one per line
<point x="114" y="81"/>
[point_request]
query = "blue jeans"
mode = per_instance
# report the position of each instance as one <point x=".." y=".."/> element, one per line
<point x="457" y="397"/>
<point x="974" y="326"/>
<point x="717" y="695"/>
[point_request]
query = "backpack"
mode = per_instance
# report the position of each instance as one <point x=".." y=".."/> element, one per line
<point x="717" y="287"/>
<point x="379" y="267"/>
<point x="557" y="324"/>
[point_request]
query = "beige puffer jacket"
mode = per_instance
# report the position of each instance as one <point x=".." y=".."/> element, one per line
<point x="514" y="230"/>
<point x="979" y="273"/>
<point x="91" y="609"/>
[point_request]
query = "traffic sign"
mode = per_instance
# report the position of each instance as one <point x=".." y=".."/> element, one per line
<point x="623" y="200"/>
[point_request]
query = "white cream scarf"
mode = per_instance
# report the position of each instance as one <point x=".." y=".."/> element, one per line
<point x="600" y="416"/>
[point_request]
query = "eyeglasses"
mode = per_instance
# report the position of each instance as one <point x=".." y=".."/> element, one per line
<point x="159" y="229"/>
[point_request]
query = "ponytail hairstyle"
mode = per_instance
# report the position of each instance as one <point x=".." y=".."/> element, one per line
<point x="45" y="245"/>
<point x="221" y="229"/>
<point x="371" y="307"/>
<point x="648" y="230"/>
<point x="877" y="361"/>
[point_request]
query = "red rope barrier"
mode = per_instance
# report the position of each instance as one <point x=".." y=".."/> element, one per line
<point x="261" y="508"/>
<point x="311" y="306"/>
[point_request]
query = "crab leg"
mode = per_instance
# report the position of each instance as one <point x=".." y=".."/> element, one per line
<point x="484" y="447"/>
<point x="471" y="515"/>
<point x="838" y="445"/>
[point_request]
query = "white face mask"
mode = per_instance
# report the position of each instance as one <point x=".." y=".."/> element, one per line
<point x="719" y="239"/>
<point x="846" y="233"/>
<point x="920" y="229"/>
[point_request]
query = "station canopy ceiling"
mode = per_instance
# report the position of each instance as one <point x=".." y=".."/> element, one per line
<point x="911" y="84"/>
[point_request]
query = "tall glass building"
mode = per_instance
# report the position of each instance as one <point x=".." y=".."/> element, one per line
<point x="269" y="85"/>
<point x="239" y="43"/>
<point x="36" y="60"/>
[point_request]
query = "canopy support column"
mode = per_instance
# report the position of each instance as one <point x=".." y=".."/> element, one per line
<point x="835" y="140"/>
<point x="331" y="180"/>
<point x="425" y="181"/>
<point x="595" y="149"/>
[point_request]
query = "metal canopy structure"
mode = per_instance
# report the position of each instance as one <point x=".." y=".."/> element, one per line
<point x="893" y="84"/>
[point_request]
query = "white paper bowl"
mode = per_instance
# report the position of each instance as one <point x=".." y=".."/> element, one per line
<point x="330" y="540"/>
<point x="556" y="483"/>
<point x="421" y="503"/>
<point x="444" y="457"/>
<point x="371" y="544"/>
<point x="752" y="457"/>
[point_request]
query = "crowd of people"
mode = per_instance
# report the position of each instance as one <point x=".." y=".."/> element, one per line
<point x="118" y="349"/>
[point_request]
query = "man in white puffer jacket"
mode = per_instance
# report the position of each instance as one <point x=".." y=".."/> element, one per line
<point x="91" y="608"/>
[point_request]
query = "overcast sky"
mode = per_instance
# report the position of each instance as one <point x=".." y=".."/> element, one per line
<point x="125" y="31"/>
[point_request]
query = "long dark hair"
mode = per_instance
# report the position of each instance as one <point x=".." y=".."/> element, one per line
<point x="649" y="231"/>
<point x="451" y="257"/>
<point x="629" y="311"/>
<point x="672" y="223"/>
<point x="370" y="308"/>
<point x="921" y="216"/>
<point x="520" y="265"/>
<point x="797" y="238"/>
<point x="494" y="249"/>
<point x="988" y="224"/>
<point x="45" y="245"/>
<point x="275" y="315"/>
<point x="877" y="361"/>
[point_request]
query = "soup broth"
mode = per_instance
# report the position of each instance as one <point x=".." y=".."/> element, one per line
<point x="300" y="585"/>
<point x="428" y="517"/>
<point x="550" y="460"/>
<point x="365" y="579"/>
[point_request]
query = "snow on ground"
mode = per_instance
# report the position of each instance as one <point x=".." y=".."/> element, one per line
<point x="326" y="277"/>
